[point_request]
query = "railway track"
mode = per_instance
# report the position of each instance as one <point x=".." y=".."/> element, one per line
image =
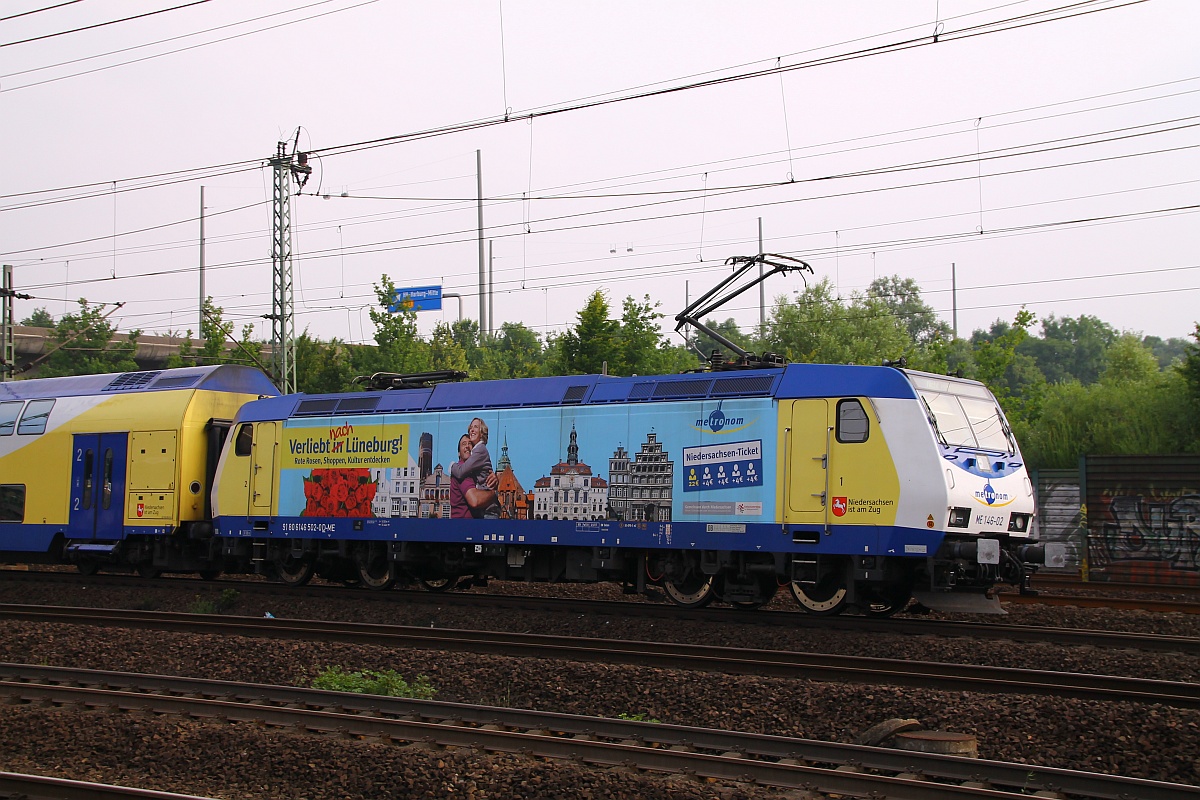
<point x="665" y="655"/>
<point x="706" y="753"/>
<point x="1054" y="580"/>
<point x="38" y="787"/>
<point x="914" y="626"/>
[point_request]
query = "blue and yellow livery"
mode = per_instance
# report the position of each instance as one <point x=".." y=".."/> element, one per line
<point x="117" y="469"/>
<point x="850" y="485"/>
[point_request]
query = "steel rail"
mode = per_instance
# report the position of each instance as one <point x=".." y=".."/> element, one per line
<point x="40" y="787"/>
<point x="1121" y="640"/>
<point x="1107" y="601"/>
<point x="772" y="663"/>
<point x="728" y="755"/>
<point x="1066" y="581"/>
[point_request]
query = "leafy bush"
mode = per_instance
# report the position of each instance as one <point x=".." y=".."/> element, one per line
<point x="224" y="602"/>
<point x="388" y="683"/>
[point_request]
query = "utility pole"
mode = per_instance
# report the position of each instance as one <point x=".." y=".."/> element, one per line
<point x="8" y="348"/>
<point x="491" y="290"/>
<point x="954" y="297"/>
<point x="8" y="345"/>
<point x="283" y="309"/>
<point x="200" y="325"/>
<point x="762" y="288"/>
<point x="483" y="320"/>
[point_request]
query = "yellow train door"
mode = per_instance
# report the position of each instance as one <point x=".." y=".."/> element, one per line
<point x="262" y="467"/>
<point x="806" y="437"/>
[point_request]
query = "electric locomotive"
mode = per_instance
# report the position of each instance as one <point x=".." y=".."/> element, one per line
<point x="848" y="484"/>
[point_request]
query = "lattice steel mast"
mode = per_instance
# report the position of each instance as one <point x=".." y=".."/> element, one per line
<point x="283" y="312"/>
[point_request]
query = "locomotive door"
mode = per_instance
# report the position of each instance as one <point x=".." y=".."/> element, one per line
<point x="98" y="466"/>
<point x="262" y="468"/>
<point x="806" y="454"/>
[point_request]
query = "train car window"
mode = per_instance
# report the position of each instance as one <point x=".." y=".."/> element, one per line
<point x="89" y="469"/>
<point x="12" y="503"/>
<point x="8" y="416"/>
<point x="106" y="489"/>
<point x="245" y="438"/>
<point x="853" y="426"/>
<point x="36" y="415"/>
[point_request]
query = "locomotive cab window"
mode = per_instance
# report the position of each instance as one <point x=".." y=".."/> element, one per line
<point x="12" y="503"/>
<point x="36" y="415"/>
<point x="245" y="438"/>
<point x="853" y="426"/>
<point x="9" y="412"/>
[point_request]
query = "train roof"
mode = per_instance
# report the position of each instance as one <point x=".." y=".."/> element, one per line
<point x="215" y="378"/>
<point x="795" y="381"/>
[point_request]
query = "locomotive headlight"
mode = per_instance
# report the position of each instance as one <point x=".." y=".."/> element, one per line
<point x="1018" y="523"/>
<point x="959" y="518"/>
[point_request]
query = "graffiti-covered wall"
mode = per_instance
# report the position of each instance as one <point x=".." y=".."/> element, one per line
<point x="1142" y="518"/>
<point x="1059" y="514"/>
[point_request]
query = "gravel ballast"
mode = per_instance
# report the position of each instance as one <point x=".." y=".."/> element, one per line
<point x="235" y="761"/>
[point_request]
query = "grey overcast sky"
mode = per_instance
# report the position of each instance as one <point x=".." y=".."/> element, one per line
<point x="1046" y="149"/>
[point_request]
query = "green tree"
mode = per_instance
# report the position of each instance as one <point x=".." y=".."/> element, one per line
<point x="86" y="345"/>
<point x="515" y="353"/>
<point x="1167" y="351"/>
<point x="400" y="348"/>
<point x="702" y="345"/>
<point x="1127" y="360"/>
<point x="445" y="351"/>
<point x="1013" y="377"/>
<point x="323" y="367"/>
<point x="40" y="318"/>
<point x="465" y="333"/>
<point x="640" y="350"/>
<point x="1070" y="348"/>
<point x="593" y="342"/>
<point x="818" y="327"/>
<point x="215" y="333"/>
<point x="902" y="298"/>
<point x="1189" y="368"/>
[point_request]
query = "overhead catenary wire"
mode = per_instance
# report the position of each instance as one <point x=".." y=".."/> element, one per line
<point x="39" y="10"/>
<point x="1028" y="149"/>
<point x="641" y="273"/>
<point x="599" y="212"/>
<point x="104" y="24"/>
<point x="1075" y="9"/>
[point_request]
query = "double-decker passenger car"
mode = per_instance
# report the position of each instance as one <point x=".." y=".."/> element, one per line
<point x="117" y="469"/>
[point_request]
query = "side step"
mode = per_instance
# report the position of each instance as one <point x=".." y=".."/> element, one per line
<point x="960" y="602"/>
<point x="102" y="551"/>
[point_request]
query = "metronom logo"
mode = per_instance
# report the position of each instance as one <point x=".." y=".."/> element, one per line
<point x="717" y="421"/>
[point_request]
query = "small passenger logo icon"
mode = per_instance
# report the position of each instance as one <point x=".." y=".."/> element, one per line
<point x="141" y="509"/>
<point x="839" y="506"/>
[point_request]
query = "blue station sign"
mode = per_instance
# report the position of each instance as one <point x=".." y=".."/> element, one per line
<point x="416" y="298"/>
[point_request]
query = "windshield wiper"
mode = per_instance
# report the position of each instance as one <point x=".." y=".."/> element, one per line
<point x="933" y="421"/>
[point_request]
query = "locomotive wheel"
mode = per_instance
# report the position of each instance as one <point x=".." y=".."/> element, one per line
<point x="695" y="591"/>
<point x="87" y="567"/>
<point x="437" y="584"/>
<point x="148" y="571"/>
<point x="884" y="602"/>
<point x="294" y="571"/>
<point x="374" y="569"/>
<point x="209" y="574"/>
<point x="826" y="598"/>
